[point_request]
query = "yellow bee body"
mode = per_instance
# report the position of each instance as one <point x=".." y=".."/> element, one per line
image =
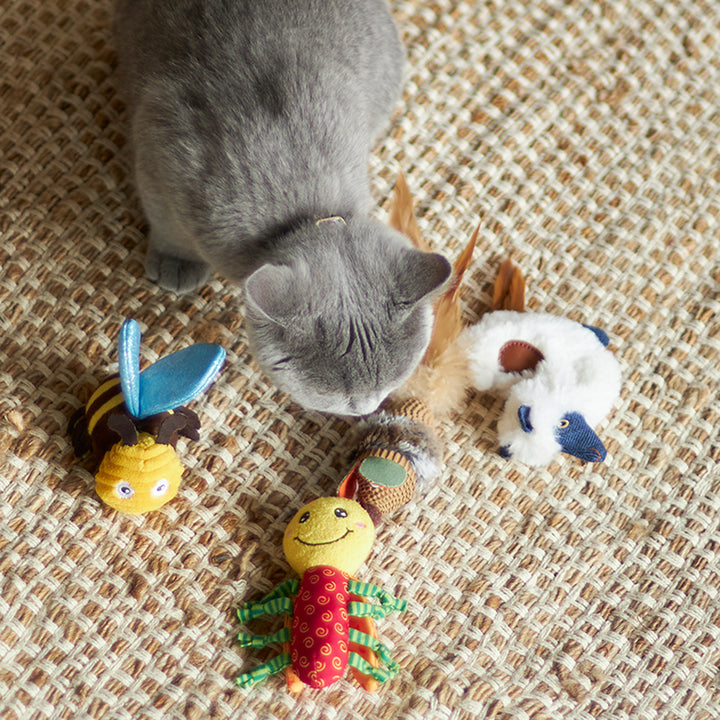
<point x="142" y="471"/>
<point x="138" y="478"/>
<point x="145" y="411"/>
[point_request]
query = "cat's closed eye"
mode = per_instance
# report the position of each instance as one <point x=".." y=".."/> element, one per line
<point x="282" y="362"/>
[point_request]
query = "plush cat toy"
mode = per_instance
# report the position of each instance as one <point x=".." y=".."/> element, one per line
<point x="329" y="623"/>
<point x="133" y="419"/>
<point x="559" y="376"/>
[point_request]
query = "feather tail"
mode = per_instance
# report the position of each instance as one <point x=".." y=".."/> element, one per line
<point x="509" y="291"/>
<point x="442" y="376"/>
<point x="448" y="314"/>
<point x="402" y="213"/>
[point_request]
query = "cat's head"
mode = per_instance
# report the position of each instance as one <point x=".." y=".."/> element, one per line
<point x="345" y="324"/>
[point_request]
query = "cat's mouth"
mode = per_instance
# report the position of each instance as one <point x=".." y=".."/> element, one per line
<point x="364" y="407"/>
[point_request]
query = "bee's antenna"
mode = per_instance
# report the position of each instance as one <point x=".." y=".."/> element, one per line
<point x="123" y="426"/>
<point x="170" y="426"/>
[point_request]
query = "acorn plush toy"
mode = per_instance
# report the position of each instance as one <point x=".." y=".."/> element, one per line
<point x="329" y="622"/>
<point x="133" y="419"/>
<point x="398" y="445"/>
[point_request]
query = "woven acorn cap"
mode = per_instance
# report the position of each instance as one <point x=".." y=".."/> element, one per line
<point x="411" y="408"/>
<point x="386" y="498"/>
<point x="401" y="432"/>
<point x="370" y="450"/>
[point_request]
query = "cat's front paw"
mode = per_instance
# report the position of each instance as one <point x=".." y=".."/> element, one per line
<point x="174" y="273"/>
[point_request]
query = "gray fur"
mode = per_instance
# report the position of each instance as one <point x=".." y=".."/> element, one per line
<point x="251" y="120"/>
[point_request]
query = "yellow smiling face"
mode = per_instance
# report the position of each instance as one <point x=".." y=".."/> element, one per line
<point x="331" y="531"/>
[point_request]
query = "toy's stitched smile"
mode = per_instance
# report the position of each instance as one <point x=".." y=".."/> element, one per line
<point x="327" y="542"/>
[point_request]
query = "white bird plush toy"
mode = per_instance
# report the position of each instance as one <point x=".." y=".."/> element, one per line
<point x="560" y="379"/>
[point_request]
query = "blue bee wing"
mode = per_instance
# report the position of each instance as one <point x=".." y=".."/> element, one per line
<point x="129" y="357"/>
<point x="178" y="378"/>
<point x="171" y="381"/>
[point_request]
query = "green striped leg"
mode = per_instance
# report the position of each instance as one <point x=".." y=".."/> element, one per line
<point x="261" y="641"/>
<point x="374" y="591"/>
<point x="256" y="608"/>
<point x="276" y="602"/>
<point x="376" y="646"/>
<point x="262" y="671"/>
<point x="363" y="609"/>
<point x="273" y="606"/>
<point x="360" y="663"/>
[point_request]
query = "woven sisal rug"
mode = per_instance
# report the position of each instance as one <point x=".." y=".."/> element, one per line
<point x="584" y="137"/>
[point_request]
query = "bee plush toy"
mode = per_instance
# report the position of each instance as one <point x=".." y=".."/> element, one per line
<point x="133" y="419"/>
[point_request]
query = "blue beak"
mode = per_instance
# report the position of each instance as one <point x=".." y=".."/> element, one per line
<point x="577" y="438"/>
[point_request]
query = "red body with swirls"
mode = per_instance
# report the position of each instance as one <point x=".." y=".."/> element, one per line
<point x="320" y="645"/>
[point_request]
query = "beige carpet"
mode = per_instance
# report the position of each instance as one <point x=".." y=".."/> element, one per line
<point x="584" y="137"/>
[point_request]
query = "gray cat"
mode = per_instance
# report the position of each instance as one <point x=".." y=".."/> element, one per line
<point x="252" y="122"/>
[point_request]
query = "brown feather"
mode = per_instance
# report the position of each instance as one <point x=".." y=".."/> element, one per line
<point x="509" y="291"/>
<point x="441" y="379"/>
<point x="448" y="315"/>
<point x="443" y="376"/>
<point x="441" y="386"/>
<point x="402" y="213"/>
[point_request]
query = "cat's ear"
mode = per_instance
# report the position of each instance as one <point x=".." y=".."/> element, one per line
<point x="269" y="292"/>
<point x="420" y="274"/>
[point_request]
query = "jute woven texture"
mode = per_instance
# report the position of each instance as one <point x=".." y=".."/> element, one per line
<point x="584" y="137"/>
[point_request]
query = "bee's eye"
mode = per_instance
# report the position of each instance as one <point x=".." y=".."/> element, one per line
<point x="124" y="489"/>
<point x="160" y="487"/>
<point x="305" y="517"/>
<point x="340" y="512"/>
<point x="563" y="423"/>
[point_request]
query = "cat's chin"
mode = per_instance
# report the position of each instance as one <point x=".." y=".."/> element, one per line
<point x="341" y="406"/>
<point x="347" y="408"/>
<point x="360" y="408"/>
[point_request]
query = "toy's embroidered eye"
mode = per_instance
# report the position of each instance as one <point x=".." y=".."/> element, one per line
<point x="124" y="489"/>
<point x="339" y="512"/>
<point x="305" y="517"/>
<point x="160" y="487"/>
<point x="563" y="423"/>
